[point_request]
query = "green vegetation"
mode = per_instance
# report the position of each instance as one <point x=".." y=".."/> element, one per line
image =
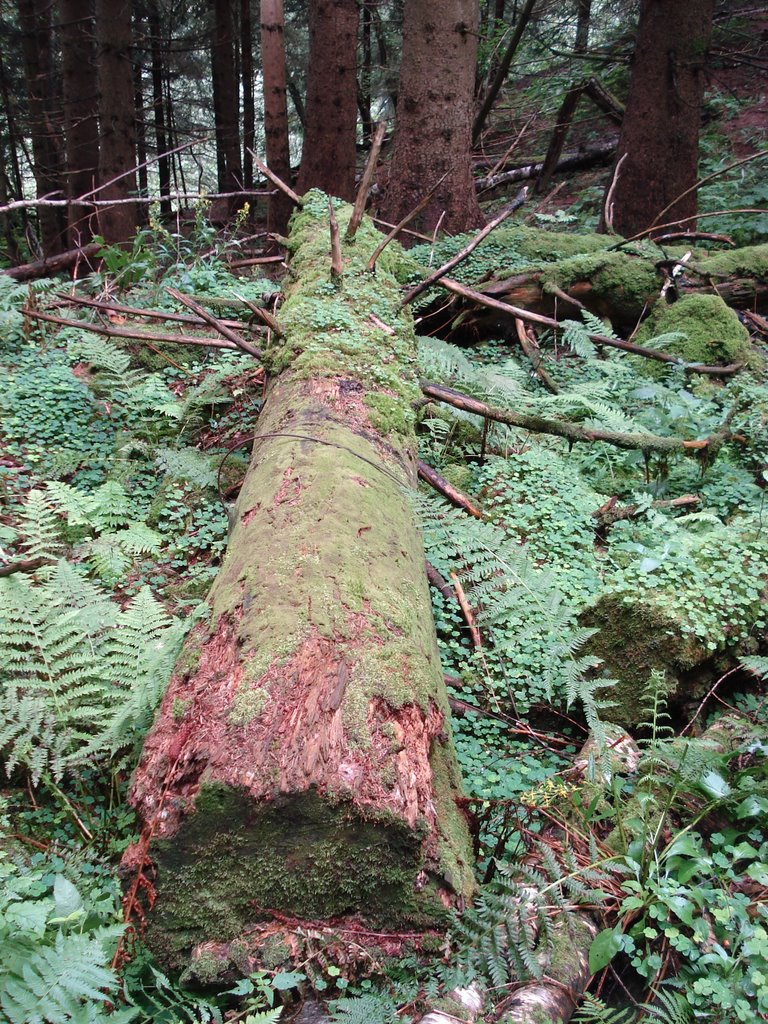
<point x="111" y="476"/>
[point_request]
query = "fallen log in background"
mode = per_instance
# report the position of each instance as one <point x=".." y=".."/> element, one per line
<point x="301" y="761"/>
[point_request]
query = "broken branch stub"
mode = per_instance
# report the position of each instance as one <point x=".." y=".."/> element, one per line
<point x="301" y="762"/>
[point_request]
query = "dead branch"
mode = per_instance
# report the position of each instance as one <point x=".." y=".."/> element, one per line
<point x="365" y="182"/>
<point x="600" y="153"/>
<point x="23" y="565"/>
<point x="52" y="264"/>
<point x="125" y="332"/>
<point x="533" y="352"/>
<point x="264" y="315"/>
<point x="226" y="332"/>
<point x="610" y="512"/>
<point x="397" y="228"/>
<point x="337" y="263"/>
<point x="276" y="181"/>
<point x="149" y="314"/>
<point x="442" y="486"/>
<point x="692" y="236"/>
<point x="435" y="276"/>
<point x="598" y="339"/>
<point x="469" y="615"/>
<point x="573" y="432"/>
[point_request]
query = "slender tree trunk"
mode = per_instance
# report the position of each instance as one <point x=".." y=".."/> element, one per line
<point x="329" y="155"/>
<point x="501" y="72"/>
<point x="568" y="107"/>
<point x="81" y="126"/>
<point x="275" y="107"/>
<point x="158" y="109"/>
<point x="14" y="144"/>
<point x="226" y="104"/>
<point x="364" y="88"/>
<point x="434" y="116"/>
<point x="249" y="113"/>
<point x="139" y="35"/>
<point x="658" y="151"/>
<point x="117" y="119"/>
<point x="301" y="763"/>
<point x="44" y="118"/>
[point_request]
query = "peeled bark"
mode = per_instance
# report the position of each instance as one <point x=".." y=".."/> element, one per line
<point x="301" y="762"/>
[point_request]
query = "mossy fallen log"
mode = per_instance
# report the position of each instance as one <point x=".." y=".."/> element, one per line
<point x="301" y="762"/>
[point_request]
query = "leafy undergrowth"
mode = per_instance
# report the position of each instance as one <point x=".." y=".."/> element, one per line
<point x="115" y="463"/>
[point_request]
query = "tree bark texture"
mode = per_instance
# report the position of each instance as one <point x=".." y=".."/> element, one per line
<point x="301" y="761"/>
<point x="659" y="142"/>
<point x="117" y="118"/>
<point x="328" y="157"/>
<point x="434" y="116"/>
<point x="249" y="107"/>
<point x="158" y="108"/>
<point x="44" y="117"/>
<point x="276" y="108"/>
<point x="81" y="127"/>
<point x="226" y="101"/>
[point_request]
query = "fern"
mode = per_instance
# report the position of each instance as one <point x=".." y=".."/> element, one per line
<point x="78" y="677"/>
<point x="594" y="1011"/>
<point x="669" y="1008"/>
<point x="370" y="1008"/>
<point x="42" y="536"/>
<point x="186" y="464"/>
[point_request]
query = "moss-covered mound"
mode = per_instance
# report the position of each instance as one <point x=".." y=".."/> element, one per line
<point x="702" y="328"/>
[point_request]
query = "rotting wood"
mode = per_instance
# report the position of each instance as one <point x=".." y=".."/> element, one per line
<point x="576" y="432"/>
<point x="337" y="263"/>
<point x="611" y="512"/>
<point x="301" y="761"/>
<point x="365" y="182"/>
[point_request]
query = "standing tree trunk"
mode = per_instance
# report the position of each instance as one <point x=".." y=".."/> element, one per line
<point x="276" y="108"/>
<point x="158" y="109"/>
<point x="301" y="762"/>
<point x="81" y="126"/>
<point x="249" y="113"/>
<point x="226" y="102"/>
<point x="329" y="156"/>
<point x="658" y="151"/>
<point x="117" y="119"/>
<point x="44" y="119"/>
<point x="434" y="116"/>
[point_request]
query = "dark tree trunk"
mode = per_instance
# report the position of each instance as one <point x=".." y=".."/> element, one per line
<point x="329" y="156"/>
<point x="158" y="109"/>
<point x="249" y="113"/>
<point x="226" y="103"/>
<point x="301" y="762"/>
<point x="434" y="116"/>
<point x="364" y="87"/>
<point x="275" y="108"/>
<point x="142" y="211"/>
<point x="44" y="118"/>
<point x="81" y="126"/>
<point x="659" y="144"/>
<point x="14" y="145"/>
<point x="117" y="119"/>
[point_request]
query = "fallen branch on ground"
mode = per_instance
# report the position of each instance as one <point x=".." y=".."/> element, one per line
<point x="125" y="332"/>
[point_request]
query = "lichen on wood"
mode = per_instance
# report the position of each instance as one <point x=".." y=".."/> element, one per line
<point x="311" y="770"/>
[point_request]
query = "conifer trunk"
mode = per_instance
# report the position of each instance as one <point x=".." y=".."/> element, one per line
<point x="301" y="762"/>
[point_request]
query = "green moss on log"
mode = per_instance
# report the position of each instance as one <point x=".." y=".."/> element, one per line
<point x="712" y="332"/>
<point x="621" y="283"/>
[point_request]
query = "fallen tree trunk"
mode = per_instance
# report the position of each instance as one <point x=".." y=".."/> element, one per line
<point x="301" y="761"/>
<point x="53" y="264"/>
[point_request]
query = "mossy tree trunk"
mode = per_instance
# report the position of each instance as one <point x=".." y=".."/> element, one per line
<point x="301" y="761"/>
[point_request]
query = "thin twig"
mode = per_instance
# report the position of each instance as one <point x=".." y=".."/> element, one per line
<point x="149" y="314"/>
<point x="337" y="264"/>
<point x="212" y="321"/>
<point x="533" y="352"/>
<point x="275" y="180"/>
<point x="709" y="177"/>
<point x="469" y="615"/>
<point x="435" y="276"/>
<point x="406" y="220"/>
<point x="124" y="332"/>
<point x="365" y="183"/>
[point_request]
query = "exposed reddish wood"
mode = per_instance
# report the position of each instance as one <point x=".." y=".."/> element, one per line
<point x="23" y="565"/>
<point x="337" y="263"/>
<point x="469" y="615"/>
<point x="611" y="512"/>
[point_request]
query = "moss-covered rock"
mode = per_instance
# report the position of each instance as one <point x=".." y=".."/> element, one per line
<point x="703" y="329"/>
